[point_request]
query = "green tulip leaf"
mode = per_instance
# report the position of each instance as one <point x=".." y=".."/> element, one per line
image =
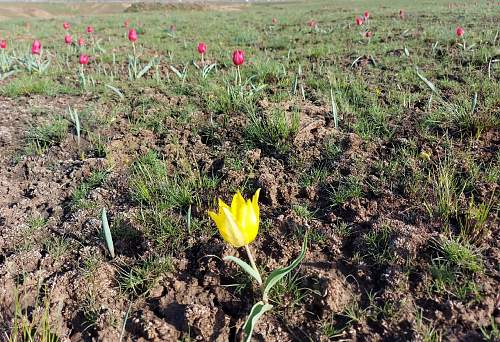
<point x="258" y="310"/>
<point x="278" y="274"/>
<point x="427" y="82"/>
<point x="246" y="267"/>
<point x="107" y="233"/>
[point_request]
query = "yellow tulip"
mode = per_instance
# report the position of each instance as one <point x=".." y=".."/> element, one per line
<point x="239" y="223"/>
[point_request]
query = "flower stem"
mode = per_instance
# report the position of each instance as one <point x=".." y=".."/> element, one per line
<point x="252" y="262"/>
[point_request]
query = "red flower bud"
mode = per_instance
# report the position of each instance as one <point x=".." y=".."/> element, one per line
<point x="367" y="15"/>
<point x="81" y="41"/>
<point x="90" y="29"/>
<point x="132" y="35"/>
<point x="68" y="39"/>
<point x="84" y="59"/>
<point x="36" y="47"/>
<point x="202" y="48"/>
<point x="3" y="44"/>
<point x="401" y="14"/>
<point x="126" y="23"/>
<point x="359" y="21"/>
<point x="238" y="57"/>
<point x="66" y="25"/>
<point x="459" y="31"/>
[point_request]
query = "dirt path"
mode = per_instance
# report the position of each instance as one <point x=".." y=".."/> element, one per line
<point x="47" y="11"/>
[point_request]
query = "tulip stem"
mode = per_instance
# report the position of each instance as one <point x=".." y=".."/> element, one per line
<point x="252" y="261"/>
<point x="135" y="61"/>
<point x="238" y="76"/>
<point x="82" y="76"/>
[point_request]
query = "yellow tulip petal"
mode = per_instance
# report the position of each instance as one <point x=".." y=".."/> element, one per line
<point x="255" y="203"/>
<point x="237" y="202"/>
<point x="251" y="234"/>
<point x="217" y="218"/>
<point x="222" y="204"/>
<point x="230" y="230"/>
<point x="251" y="223"/>
<point x="241" y="216"/>
<point x="251" y="215"/>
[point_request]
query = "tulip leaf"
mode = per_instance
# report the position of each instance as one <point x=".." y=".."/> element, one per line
<point x="278" y="274"/>
<point x="427" y="82"/>
<point x="107" y="232"/>
<point x="116" y="91"/>
<point x="144" y="70"/>
<point x="246" y="267"/>
<point x="258" y="310"/>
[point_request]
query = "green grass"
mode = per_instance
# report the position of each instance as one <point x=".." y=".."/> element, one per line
<point x="288" y="294"/>
<point x="30" y="85"/>
<point x="454" y="271"/>
<point x="303" y="211"/>
<point x="313" y="176"/>
<point x="273" y="131"/>
<point x="79" y="197"/>
<point x="36" y="223"/>
<point x="40" y="138"/>
<point x="461" y="254"/>
<point x="57" y="246"/>
<point x="346" y="189"/>
<point x="35" y="325"/>
<point x="139" y="279"/>
<point x="152" y="186"/>
<point x="377" y="246"/>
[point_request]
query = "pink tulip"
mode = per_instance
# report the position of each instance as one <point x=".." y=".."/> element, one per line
<point x="312" y="23"/>
<point x="68" y="39"/>
<point x="275" y="21"/>
<point x="126" y="23"/>
<point x="367" y="15"/>
<point x="3" y="44"/>
<point x="368" y="34"/>
<point x="84" y="59"/>
<point x="459" y="31"/>
<point x="90" y="29"/>
<point x="66" y="25"/>
<point x="238" y="57"/>
<point x="401" y="14"/>
<point x="36" y="47"/>
<point x="202" y="48"/>
<point x="81" y="41"/>
<point x="132" y="35"/>
<point x="359" y="21"/>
